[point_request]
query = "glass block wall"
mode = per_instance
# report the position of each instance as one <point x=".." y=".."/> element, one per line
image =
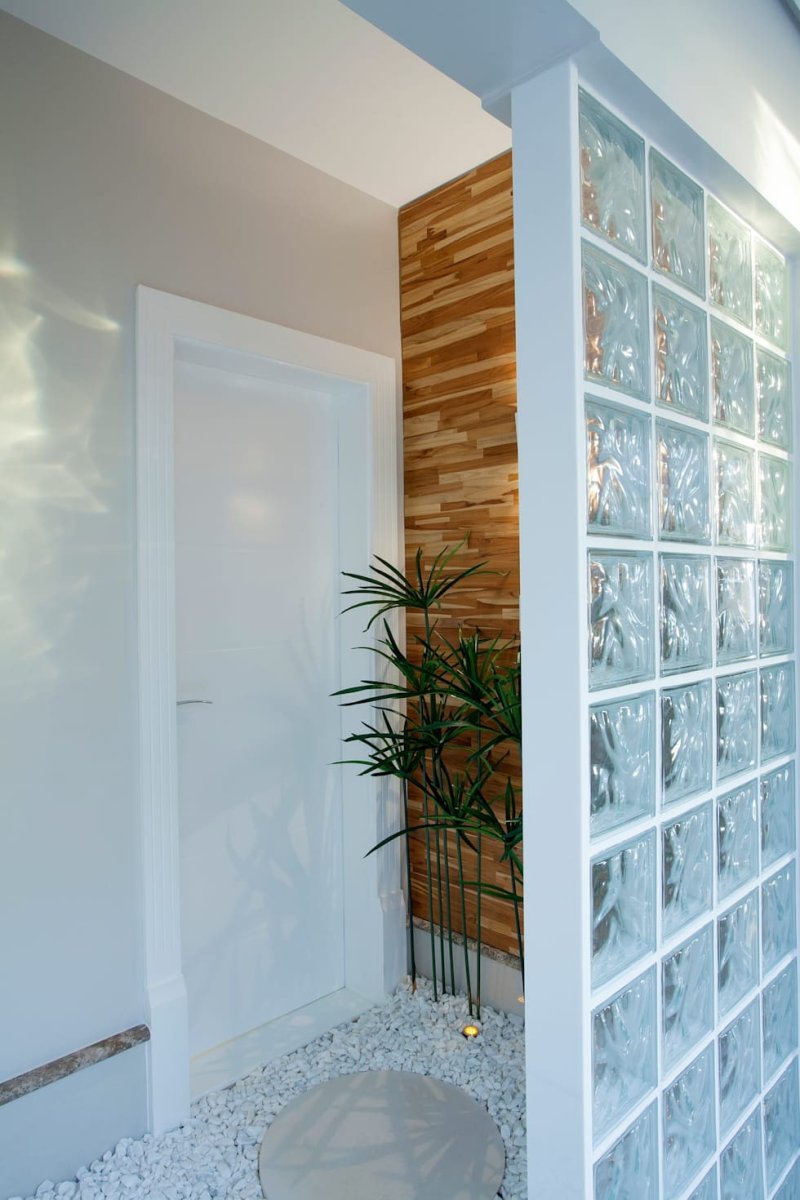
<point x="691" y="684"/>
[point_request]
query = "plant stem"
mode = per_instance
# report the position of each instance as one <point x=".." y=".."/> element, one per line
<point x="426" y="818"/>
<point x="464" y="922"/>
<point x="409" y="898"/>
<point x="478" y="920"/>
<point x="446" y="837"/>
<point x="441" y="901"/>
<point x="517" y="921"/>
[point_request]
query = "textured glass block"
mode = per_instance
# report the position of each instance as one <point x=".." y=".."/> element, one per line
<point x="687" y="993"/>
<point x="615" y="324"/>
<point x="778" y="904"/>
<point x="690" y="1133"/>
<point x="620" y="618"/>
<point x="790" y="1188"/>
<point x="737" y="948"/>
<point x="736" y="609"/>
<point x="685" y="616"/>
<point x="781" y="1124"/>
<point x="708" y="1188"/>
<point x="622" y="741"/>
<point x="778" y="818"/>
<point x="737" y="838"/>
<point x="732" y="378"/>
<point x="739" y="1065"/>
<point x="775" y="511"/>
<point x="774" y="389"/>
<point x="777" y="711"/>
<point x="687" y="869"/>
<point x="776" y="607"/>
<point x="735" y="494"/>
<point x="730" y="263"/>
<point x="682" y="465"/>
<point x="623" y="907"/>
<point x="779" y="1019"/>
<point x="740" y="1166"/>
<point x="617" y="470"/>
<point x="629" y="1171"/>
<point x="612" y="178"/>
<point x="772" y="295"/>
<point x="681" y="354"/>
<point x="623" y="1052"/>
<point x="686" y="740"/>
<point x="677" y="215"/>
<point x="737" y="724"/>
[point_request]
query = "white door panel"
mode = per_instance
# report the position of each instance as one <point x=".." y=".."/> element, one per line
<point x="257" y="563"/>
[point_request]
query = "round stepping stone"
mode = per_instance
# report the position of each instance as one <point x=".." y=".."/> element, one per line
<point x="382" y="1135"/>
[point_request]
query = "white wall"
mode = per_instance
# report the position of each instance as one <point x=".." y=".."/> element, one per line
<point x="106" y="183"/>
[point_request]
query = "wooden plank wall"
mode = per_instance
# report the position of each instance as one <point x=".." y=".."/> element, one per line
<point x="459" y="405"/>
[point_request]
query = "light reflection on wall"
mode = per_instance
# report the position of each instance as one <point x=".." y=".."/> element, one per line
<point x="779" y="161"/>
<point x="47" y="478"/>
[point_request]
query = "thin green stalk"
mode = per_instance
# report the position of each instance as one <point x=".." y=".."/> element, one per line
<point x="479" y="841"/>
<point x="409" y="898"/>
<point x="517" y="921"/>
<point x="437" y="832"/>
<point x="426" y="816"/>
<point x="449" y="909"/>
<point x="464" y="923"/>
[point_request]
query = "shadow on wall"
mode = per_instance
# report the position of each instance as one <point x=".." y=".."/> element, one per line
<point x="49" y="479"/>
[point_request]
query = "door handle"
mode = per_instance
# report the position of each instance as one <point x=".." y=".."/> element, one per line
<point x="180" y="702"/>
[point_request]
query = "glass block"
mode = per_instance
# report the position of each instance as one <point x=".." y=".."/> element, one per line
<point x="685" y="616"/>
<point x="781" y="1124"/>
<point x="690" y="1134"/>
<point x="772" y="295"/>
<point x="778" y="818"/>
<point x="739" y="1065"/>
<point x="629" y="1171"/>
<point x="736" y="609"/>
<point x="735" y="494"/>
<point x="740" y="1166"/>
<point x="737" y="724"/>
<point x="621" y="618"/>
<point x="775" y="511"/>
<point x="778" y="904"/>
<point x="730" y="263"/>
<point x="737" y="838"/>
<point x="615" y="324"/>
<point x="612" y="178"/>
<point x="687" y="869"/>
<point x="779" y="1019"/>
<point x="737" y="947"/>
<point x="774" y="390"/>
<point x="681" y="354"/>
<point x="686" y="740"/>
<point x="708" y="1188"/>
<point x="617" y="470"/>
<point x="732" y="378"/>
<point x="677" y="214"/>
<point x="776" y="607"/>
<point x="790" y="1188"/>
<point x="687" y="993"/>
<point x="777" y="711"/>
<point x="623" y="907"/>
<point x="623" y="1052"/>
<point x="682" y="465"/>
<point x="622" y="741"/>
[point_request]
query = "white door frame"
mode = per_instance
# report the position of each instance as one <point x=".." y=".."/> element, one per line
<point x="375" y="938"/>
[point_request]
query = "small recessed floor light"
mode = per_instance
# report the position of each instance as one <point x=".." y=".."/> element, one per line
<point x="470" y="1031"/>
<point x="520" y="999"/>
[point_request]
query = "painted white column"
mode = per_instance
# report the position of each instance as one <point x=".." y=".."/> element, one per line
<point x="553" y="629"/>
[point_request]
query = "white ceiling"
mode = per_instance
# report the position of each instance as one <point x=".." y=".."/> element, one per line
<point x="307" y="76"/>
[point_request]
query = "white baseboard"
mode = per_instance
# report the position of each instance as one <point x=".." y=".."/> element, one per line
<point x="223" y="1065"/>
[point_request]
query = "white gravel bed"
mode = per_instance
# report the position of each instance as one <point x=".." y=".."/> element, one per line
<point x="215" y="1154"/>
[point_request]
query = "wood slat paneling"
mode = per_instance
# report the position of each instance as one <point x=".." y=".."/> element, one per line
<point x="459" y="406"/>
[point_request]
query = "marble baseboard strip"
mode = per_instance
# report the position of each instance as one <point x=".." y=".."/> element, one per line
<point x="59" y="1068"/>
<point x="508" y="960"/>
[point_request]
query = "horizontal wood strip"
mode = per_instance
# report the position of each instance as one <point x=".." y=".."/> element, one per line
<point x="460" y="445"/>
<point x="60" y="1068"/>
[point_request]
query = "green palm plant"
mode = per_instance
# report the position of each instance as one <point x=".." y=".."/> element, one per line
<point x="445" y="714"/>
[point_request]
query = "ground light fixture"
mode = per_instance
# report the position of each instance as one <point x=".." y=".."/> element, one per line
<point x="470" y="1031"/>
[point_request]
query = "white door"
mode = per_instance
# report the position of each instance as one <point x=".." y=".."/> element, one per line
<point x="257" y="566"/>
